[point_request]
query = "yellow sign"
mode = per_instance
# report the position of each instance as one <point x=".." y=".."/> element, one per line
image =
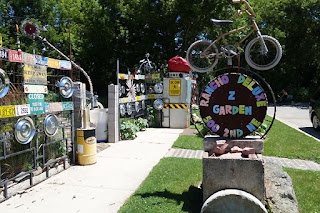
<point x="7" y="111"/>
<point x="53" y="63"/>
<point x="35" y="74"/>
<point x="175" y="87"/>
<point x="0" y="40"/>
<point x="151" y="96"/>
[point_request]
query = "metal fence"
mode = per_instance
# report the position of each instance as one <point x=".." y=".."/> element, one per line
<point x="23" y="165"/>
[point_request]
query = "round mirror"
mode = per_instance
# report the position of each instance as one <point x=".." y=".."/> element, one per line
<point x="143" y="105"/>
<point x="24" y="130"/>
<point x="142" y="88"/>
<point x="51" y="125"/>
<point x="66" y="87"/>
<point x="158" y="104"/>
<point x="122" y="110"/>
<point x="129" y="109"/>
<point x="158" y="88"/>
<point x="138" y="87"/>
<point x="137" y="106"/>
<point x="4" y="83"/>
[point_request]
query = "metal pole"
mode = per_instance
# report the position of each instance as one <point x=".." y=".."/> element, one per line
<point x="74" y="64"/>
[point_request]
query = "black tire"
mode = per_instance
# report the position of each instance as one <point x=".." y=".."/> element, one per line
<point x="201" y="64"/>
<point x="315" y="122"/>
<point x="259" y="61"/>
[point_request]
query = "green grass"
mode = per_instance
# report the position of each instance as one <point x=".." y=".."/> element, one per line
<point x="306" y="185"/>
<point x="284" y="141"/>
<point x="170" y="187"/>
<point x="189" y="142"/>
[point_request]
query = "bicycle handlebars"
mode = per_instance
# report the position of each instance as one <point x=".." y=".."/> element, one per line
<point x="247" y="4"/>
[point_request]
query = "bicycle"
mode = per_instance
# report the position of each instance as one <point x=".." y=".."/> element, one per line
<point x="148" y="66"/>
<point x="262" y="53"/>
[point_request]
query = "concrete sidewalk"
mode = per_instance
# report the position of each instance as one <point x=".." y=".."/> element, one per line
<point x="102" y="187"/>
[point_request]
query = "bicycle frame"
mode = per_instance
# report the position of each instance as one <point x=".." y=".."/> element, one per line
<point x="252" y="25"/>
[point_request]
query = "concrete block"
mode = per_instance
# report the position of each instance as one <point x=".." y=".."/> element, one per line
<point x="253" y="142"/>
<point x="113" y="88"/>
<point x="243" y="174"/>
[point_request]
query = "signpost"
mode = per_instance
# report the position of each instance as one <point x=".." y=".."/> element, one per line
<point x="233" y="105"/>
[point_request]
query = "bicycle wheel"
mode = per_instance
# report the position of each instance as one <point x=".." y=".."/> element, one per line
<point x="257" y="59"/>
<point x="202" y="63"/>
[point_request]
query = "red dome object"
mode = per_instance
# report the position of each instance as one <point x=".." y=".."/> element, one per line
<point x="178" y="64"/>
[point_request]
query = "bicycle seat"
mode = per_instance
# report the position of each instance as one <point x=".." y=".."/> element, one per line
<point x="221" y="22"/>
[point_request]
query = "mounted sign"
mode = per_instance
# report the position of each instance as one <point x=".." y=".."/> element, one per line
<point x="28" y="58"/>
<point x="35" y="89"/>
<point x="65" y="65"/>
<point x="40" y="60"/>
<point x="15" y="56"/>
<point x="67" y="106"/>
<point x="55" y="107"/>
<point x="7" y="111"/>
<point x="36" y="102"/>
<point x="4" y="54"/>
<point x="233" y="105"/>
<point x="175" y="87"/>
<point x="53" y="63"/>
<point x="35" y="74"/>
<point x="23" y="110"/>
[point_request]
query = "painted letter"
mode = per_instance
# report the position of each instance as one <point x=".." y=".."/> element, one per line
<point x="231" y="95"/>
<point x="216" y="109"/>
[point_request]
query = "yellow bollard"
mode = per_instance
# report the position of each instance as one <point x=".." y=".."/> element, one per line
<point x="87" y="146"/>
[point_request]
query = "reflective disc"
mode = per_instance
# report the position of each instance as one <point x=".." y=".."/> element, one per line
<point x="142" y="88"/>
<point x="51" y="125"/>
<point x="122" y="110"/>
<point x="120" y="91"/>
<point x="123" y="90"/>
<point x="143" y="105"/>
<point x="137" y="106"/>
<point x="66" y="87"/>
<point x="129" y="109"/>
<point x="158" y="104"/>
<point x="4" y="83"/>
<point x="158" y="88"/>
<point x="24" y="130"/>
<point x="138" y="87"/>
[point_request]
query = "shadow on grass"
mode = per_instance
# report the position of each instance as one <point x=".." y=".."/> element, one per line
<point x="192" y="199"/>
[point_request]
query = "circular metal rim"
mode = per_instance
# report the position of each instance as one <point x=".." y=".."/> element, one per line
<point x="24" y="32"/>
<point x="142" y="88"/>
<point x="61" y="86"/>
<point x="17" y="132"/>
<point x="6" y="84"/>
<point x="161" y="104"/>
<point x="122" y="110"/>
<point x="158" y="88"/>
<point x="45" y="125"/>
<point x="137" y="106"/>
<point x="138" y="87"/>
<point x="129" y="109"/>
<point x="143" y="105"/>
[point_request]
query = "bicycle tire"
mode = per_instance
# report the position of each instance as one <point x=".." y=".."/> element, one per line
<point x="274" y="54"/>
<point x="197" y="63"/>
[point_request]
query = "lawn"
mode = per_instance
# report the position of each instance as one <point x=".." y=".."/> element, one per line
<point x="188" y="142"/>
<point x="172" y="186"/>
<point x="306" y="185"/>
<point x="284" y="141"/>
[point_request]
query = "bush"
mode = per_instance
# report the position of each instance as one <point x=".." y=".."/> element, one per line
<point x="128" y="130"/>
<point x="142" y="123"/>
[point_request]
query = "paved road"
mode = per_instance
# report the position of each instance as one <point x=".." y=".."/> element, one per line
<point x="296" y="116"/>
